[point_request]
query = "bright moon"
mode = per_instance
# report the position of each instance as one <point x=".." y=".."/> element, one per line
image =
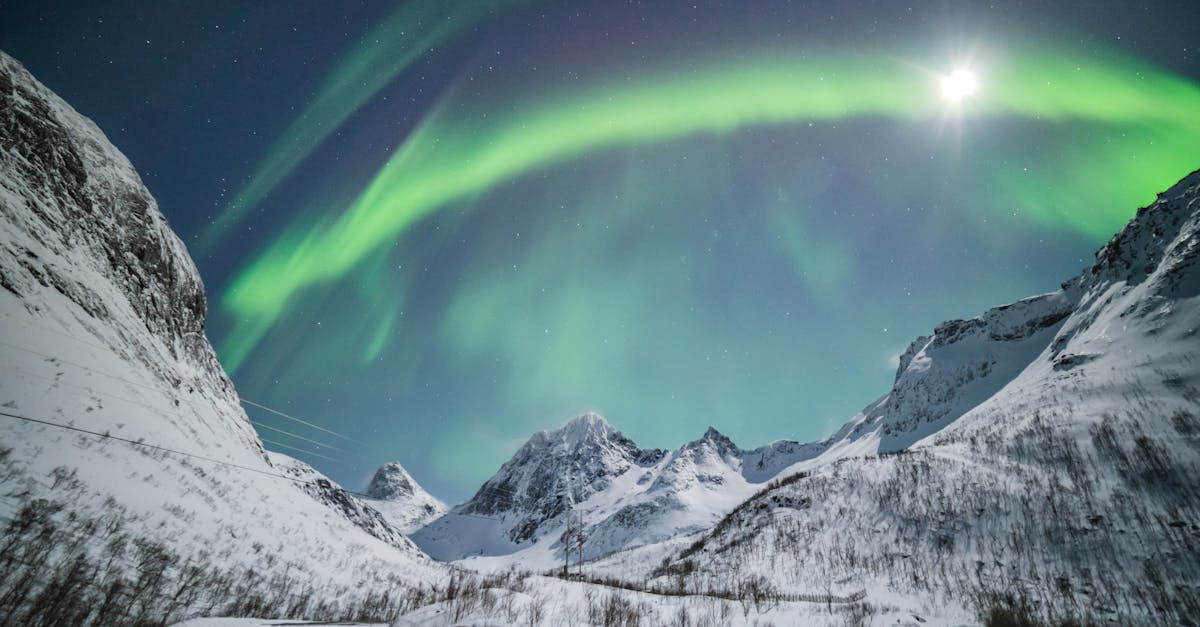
<point x="958" y="85"/>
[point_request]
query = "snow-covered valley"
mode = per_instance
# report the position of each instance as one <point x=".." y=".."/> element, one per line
<point x="1040" y="459"/>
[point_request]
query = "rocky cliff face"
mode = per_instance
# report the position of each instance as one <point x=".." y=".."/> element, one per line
<point x="102" y="331"/>
<point x="69" y="191"/>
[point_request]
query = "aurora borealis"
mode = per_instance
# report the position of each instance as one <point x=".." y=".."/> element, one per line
<point x="445" y="161"/>
<point x="454" y="224"/>
<point x="389" y="49"/>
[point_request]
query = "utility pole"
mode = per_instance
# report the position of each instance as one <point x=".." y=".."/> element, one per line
<point x="580" y="560"/>
<point x="567" y="537"/>
<point x="574" y="534"/>
<point x="567" y="549"/>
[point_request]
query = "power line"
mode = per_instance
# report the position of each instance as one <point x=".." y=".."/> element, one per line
<point x="153" y="388"/>
<point x="59" y="360"/>
<point x="71" y="363"/>
<point x="282" y="445"/>
<point x="246" y="401"/>
<point x="298" y="437"/>
<point x="157" y="410"/>
<point x="150" y="446"/>
<point x="192" y="455"/>
<point x="68" y="336"/>
<point x="31" y="325"/>
<point x="186" y="400"/>
<point x="89" y="390"/>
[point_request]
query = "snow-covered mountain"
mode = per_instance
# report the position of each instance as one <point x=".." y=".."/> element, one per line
<point x="1054" y="458"/>
<point x="526" y="501"/>
<point x="630" y="497"/>
<point x="131" y="480"/>
<point x="1043" y="456"/>
<point x="626" y="496"/>
<point x="401" y="500"/>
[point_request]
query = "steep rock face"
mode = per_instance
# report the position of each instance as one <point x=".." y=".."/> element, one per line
<point x="1071" y="489"/>
<point x="401" y="500"/>
<point x="68" y="190"/>
<point x="101" y="329"/>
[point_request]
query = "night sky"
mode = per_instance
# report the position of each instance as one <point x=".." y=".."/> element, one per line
<point x="435" y="229"/>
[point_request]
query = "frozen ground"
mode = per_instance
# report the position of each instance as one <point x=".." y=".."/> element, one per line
<point x="550" y="601"/>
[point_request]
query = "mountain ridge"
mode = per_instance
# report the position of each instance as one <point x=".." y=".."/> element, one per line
<point x="628" y="496"/>
<point x="1069" y="493"/>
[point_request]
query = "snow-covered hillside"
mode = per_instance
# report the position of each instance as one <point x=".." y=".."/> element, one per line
<point x="1059" y="466"/>
<point x="401" y="500"/>
<point x="161" y="502"/>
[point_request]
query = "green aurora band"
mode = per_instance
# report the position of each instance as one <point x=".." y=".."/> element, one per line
<point x="384" y="54"/>
<point x="1144" y="134"/>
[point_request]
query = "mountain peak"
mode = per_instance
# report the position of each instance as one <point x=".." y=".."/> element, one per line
<point x="401" y="500"/>
<point x="588" y="422"/>
<point x="716" y="440"/>
<point x="586" y="428"/>
<point x="390" y="482"/>
<point x="549" y="474"/>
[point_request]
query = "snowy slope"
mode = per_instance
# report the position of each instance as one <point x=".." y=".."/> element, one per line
<point x="962" y="364"/>
<point x="1062" y="477"/>
<point x="102" y="329"/>
<point x="401" y="500"/>
<point x="626" y="496"/>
